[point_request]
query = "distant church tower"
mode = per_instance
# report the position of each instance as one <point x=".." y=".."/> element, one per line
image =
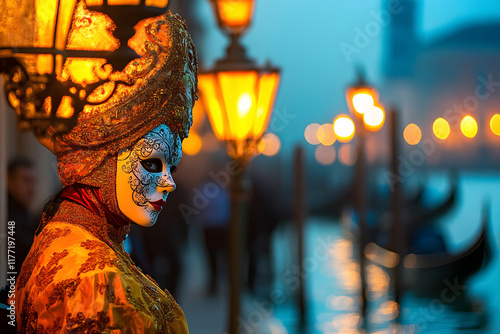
<point x="401" y="39"/>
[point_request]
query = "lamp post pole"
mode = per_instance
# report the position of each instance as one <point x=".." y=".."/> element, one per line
<point x="360" y="202"/>
<point x="397" y="228"/>
<point x="299" y="217"/>
<point x="236" y="228"/>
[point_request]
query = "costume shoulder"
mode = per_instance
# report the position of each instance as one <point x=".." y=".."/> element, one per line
<point x="73" y="282"/>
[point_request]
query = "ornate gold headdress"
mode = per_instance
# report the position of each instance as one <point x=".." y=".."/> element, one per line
<point x="157" y="88"/>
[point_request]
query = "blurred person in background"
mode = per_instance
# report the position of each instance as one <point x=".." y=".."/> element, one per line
<point x="21" y="190"/>
<point x="215" y="218"/>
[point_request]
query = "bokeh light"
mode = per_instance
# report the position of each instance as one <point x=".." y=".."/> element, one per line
<point x="412" y="134"/>
<point x="325" y="155"/>
<point x="362" y="102"/>
<point x="269" y="145"/>
<point x="374" y="118"/>
<point x="469" y="127"/>
<point x="495" y="124"/>
<point x="192" y="144"/>
<point x="325" y="134"/>
<point x="344" y="129"/>
<point x="347" y="155"/>
<point x="441" y="128"/>
<point x="311" y="133"/>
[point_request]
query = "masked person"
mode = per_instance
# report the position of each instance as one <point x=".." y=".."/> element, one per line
<point x="116" y="165"/>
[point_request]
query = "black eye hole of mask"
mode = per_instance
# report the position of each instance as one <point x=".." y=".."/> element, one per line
<point x="152" y="165"/>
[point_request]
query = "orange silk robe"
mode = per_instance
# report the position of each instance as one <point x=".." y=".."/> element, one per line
<point x="77" y="278"/>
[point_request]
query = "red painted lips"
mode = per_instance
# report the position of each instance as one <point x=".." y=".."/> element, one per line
<point x="158" y="205"/>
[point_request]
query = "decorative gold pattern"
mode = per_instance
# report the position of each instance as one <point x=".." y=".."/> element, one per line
<point x="163" y="92"/>
<point x="103" y="262"/>
<point x="64" y="289"/>
<point x="47" y="273"/>
<point x="81" y="324"/>
<point x="45" y="239"/>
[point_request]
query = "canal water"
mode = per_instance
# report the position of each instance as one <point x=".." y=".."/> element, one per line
<point x="331" y="275"/>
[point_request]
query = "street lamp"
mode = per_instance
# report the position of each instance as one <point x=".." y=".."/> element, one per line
<point x="238" y="97"/>
<point x="363" y="102"/>
<point x="233" y="16"/>
<point x="57" y="53"/>
<point x="361" y="97"/>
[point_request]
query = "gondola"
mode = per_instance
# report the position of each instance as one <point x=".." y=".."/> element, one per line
<point x="427" y="274"/>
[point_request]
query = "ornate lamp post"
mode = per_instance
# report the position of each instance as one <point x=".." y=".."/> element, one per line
<point x="362" y="101"/>
<point x="238" y="96"/>
<point x="73" y="48"/>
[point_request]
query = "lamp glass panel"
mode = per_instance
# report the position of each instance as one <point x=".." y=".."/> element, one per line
<point x="268" y="85"/>
<point x="157" y="3"/>
<point x="45" y="22"/>
<point x="18" y="27"/>
<point x="235" y="14"/>
<point x="207" y="84"/>
<point x="124" y="2"/>
<point x="239" y="93"/>
<point x="89" y="31"/>
<point x="66" y="9"/>
<point x="93" y="2"/>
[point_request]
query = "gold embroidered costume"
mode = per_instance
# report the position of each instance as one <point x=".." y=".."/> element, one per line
<point x="77" y="277"/>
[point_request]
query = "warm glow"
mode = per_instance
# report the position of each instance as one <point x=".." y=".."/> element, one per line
<point x="198" y="114"/>
<point x="65" y="109"/>
<point x="361" y="99"/>
<point x="235" y="14"/>
<point x="192" y="144"/>
<point x="269" y="145"/>
<point x="151" y="3"/>
<point x="374" y="118"/>
<point x="468" y="127"/>
<point x="123" y="2"/>
<point x="237" y="88"/>
<point x="344" y="129"/>
<point x="347" y="155"/>
<point x="157" y="3"/>
<point x="495" y="124"/>
<point x="89" y="31"/>
<point x="412" y="134"/>
<point x="325" y="155"/>
<point x="325" y="134"/>
<point x="362" y="102"/>
<point x="208" y="84"/>
<point x="441" y="128"/>
<point x="268" y="88"/>
<point x="311" y="133"/>
<point x="84" y="71"/>
<point x="245" y="102"/>
<point x="238" y="103"/>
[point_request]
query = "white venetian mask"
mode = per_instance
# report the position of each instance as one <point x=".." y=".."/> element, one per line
<point x="144" y="175"/>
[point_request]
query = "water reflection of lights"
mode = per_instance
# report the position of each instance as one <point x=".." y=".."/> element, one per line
<point x="381" y="256"/>
<point x="388" y="311"/>
<point x="342" y="250"/>
<point x="344" y="323"/>
<point x="341" y="303"/>
<point x="348" y="275"/>
<point x="378" y="282"/>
